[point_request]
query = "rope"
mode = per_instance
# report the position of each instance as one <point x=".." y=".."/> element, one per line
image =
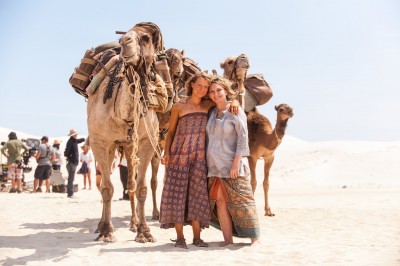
<point x="142" y="112"/>
<point x="132" y="133"/>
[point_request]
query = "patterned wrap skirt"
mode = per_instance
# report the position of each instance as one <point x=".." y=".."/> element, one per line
<point x="185" y="195"/>
<point x="241" y="205"/>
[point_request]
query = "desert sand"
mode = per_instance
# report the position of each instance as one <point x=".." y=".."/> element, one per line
<point x="335" y="203"/>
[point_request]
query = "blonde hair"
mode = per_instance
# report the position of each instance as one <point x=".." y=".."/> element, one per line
<point x="226" y="84"/>
<point x="192" y="79"/>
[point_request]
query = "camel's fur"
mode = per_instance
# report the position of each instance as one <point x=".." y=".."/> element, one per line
<point x="263" y="141"/>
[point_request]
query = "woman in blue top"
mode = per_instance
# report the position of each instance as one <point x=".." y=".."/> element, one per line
<point x="233" y="208"/>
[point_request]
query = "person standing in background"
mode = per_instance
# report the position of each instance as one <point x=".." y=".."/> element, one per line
<point x="12" y="151"/>
<point x="72" y="154"/>
<point x="86" y="157"/>
<point x="44" y="156"/>
<point x="57" y="161"/>
<point x="123" y="173"/>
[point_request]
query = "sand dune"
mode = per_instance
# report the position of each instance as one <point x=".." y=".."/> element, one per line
<point x="336" y="203"/>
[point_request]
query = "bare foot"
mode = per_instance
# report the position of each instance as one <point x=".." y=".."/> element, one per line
<point x="224" y="244"/>
<point x="255" y="243"/>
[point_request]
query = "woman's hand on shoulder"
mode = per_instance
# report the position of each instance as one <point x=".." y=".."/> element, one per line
<point x="234" y="107"/>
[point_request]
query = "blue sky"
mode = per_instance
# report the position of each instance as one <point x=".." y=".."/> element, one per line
<point x="337" y="63"/>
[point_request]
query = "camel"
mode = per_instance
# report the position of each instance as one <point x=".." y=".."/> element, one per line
<point x="263" y="141"/>
<point x="235" y="69"/>
<point x="117" y="116"/>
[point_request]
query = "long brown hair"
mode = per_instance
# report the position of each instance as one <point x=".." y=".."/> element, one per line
<point x="192" y="79"/>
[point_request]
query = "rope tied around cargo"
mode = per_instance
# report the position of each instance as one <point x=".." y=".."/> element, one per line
<point x="140" y="109"/>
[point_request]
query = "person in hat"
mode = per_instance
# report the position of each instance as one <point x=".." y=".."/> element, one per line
<point x="57" y="161"/>
<point x="72" y="154"/>
<point x="13" y="150"/>
<point x="44" y="156"/>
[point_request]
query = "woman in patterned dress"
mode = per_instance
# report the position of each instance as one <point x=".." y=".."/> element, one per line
<point x="185" y="196"/>
<point x="233" y="208"/>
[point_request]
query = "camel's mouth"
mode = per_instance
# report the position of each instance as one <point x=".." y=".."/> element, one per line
<point x="289" y="112"/>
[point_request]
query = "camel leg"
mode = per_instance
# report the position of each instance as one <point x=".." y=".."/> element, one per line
<point x="143" y="232"/>
<point x="155" y="163"/>
<point x="267" y="166"/>
<point x="131" y="184"/>
<point x="252" y="165"/>
<point x="105" y="226"/>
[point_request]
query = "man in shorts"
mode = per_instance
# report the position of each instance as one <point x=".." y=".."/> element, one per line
<point x="12" y="151"/>
<point x="43" y="171"/>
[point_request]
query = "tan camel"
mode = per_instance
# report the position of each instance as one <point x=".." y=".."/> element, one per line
<point x="235" y="69"/>
<point x="114" y="110"/>
<point x="263" y="141"/>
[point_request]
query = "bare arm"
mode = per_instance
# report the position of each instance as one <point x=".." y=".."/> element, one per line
<point x="234" y="108"/>
<point x="234" y="172"/>
<point x="37" y="155"/>
<point x="3" y="151"/>
<point x="173" y="122"/>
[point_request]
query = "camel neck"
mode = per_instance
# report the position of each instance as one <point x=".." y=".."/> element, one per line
<point x="280" y="128"/>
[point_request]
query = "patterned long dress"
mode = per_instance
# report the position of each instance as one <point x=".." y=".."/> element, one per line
<point x="185" y="196"/>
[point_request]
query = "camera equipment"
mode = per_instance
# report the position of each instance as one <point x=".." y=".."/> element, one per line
<point x="33" y="145"/>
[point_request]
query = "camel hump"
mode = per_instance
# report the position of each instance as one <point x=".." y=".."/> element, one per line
<point x="256" y="121"/>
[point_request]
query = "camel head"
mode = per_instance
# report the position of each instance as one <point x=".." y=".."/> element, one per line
<point x="175" y="63"/>
<point x="131" y="47"/>
<point x="143" y="41"/>
<point x="284" y="111"/>
<point x="235" y="67"/>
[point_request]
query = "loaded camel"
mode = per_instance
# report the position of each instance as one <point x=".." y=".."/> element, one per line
<point x="116" y="118"/>
<point x="235" y="69"/>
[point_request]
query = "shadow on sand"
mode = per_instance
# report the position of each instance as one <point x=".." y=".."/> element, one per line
<point x="55" y="246"/>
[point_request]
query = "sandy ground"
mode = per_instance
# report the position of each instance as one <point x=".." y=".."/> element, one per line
<point x="332" y="206"/>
